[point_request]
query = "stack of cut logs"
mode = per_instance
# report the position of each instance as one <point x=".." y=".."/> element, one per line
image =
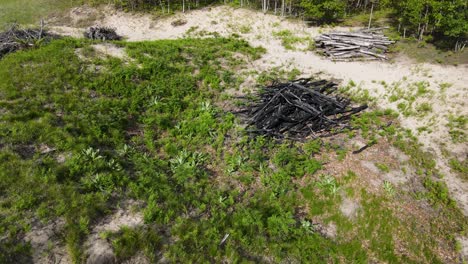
<point x="369" y="44"/>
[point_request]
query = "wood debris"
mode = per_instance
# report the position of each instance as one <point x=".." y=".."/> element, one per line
<point x="101" y="33"/>
<point x="367" y="44"/>
<point x="299" y="109"/>
<point x="178" y="22"/>
<point x="18" y="38"/>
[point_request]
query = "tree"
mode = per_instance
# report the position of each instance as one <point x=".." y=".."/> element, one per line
<point x="452" y="21"/>
<point x="371" y="12"/>
<point x="324" y="10"/>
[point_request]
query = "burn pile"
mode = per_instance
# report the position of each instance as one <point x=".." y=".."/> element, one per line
<point x="369" y="44"/>
<point x="299" y="109"/>
<point x="17" y="38"/>
<point x="101" y="33"/>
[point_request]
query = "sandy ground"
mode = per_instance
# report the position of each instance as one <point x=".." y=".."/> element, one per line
<point x="47" y="245"/>
<point x="376" y="77"/>
<point x="99" y="250"/>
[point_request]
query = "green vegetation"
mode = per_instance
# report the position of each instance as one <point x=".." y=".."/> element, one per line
<point x="324" y="10"/>
<point x="357" y="93"/>
<point x="446" y="19"/>
<point x="428" y="52"/>
<point x="382" y="167"/>
<point x="277" y="73"/>
<point x="444" y="22"/>
<point x="427" y="31"/>
<point x="72" y="146"/>
<point x="458" y="126"/>
<point x="128" y="242"/>
<point x="388" y="187"/>
<point x="245" y="29"/>
<point x="380" y="18"/>
<point x="30" y="11"/>
<point x="408" y="94"/>
<point x="289" y="40"/>
<point x="460" y="167"/>
<point x="103" y="127"/>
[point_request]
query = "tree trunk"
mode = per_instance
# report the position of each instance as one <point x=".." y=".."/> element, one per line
<point x="421" y="33"/>
<point x="162" y="6"/>
<point x="370" y="17"/>
<point x="290" y="7"/>
<point x="264" y="6"/>
<point x="425" y="18"/>
<point x="283" y="6"/>
<point x="419" y="29"/>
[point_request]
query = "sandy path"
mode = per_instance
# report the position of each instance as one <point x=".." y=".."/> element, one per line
<point x="258" y="29"/>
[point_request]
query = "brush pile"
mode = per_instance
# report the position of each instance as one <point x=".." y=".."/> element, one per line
<point x="101" y="33"/>
<point x="299" y="109"/>
<point x="17" y="38"/>
<point x="369" y="44"/>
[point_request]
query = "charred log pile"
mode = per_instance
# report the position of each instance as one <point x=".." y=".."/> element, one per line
<point x="299" y="109"/>
<point x="17" y="38"/>
<point x="369" y="44"/>
<point x="178" y="22"/>
<point x="101" y="33"/>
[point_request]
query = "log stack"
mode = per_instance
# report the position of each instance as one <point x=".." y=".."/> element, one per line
<point x="300" y="109"/>
<point x="368" y="44"/>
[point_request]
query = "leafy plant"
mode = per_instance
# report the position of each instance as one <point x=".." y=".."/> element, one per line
<point x="388" y="187"/>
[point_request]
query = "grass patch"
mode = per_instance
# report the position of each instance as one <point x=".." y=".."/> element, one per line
<point x="383" y="167"/>
<point x="427" y="52"/>
<point x="149" y="129"/>
<point x="290" y="41"/>
<point x="379" y="18"/>
<point x="31" y="11"/>
<point x="460" y="166"/>
<point x="457" y="126"/>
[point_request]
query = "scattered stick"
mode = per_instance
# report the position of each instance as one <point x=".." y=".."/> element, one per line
<point x="226" y="236"/>
<point x="361" y="149"/>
